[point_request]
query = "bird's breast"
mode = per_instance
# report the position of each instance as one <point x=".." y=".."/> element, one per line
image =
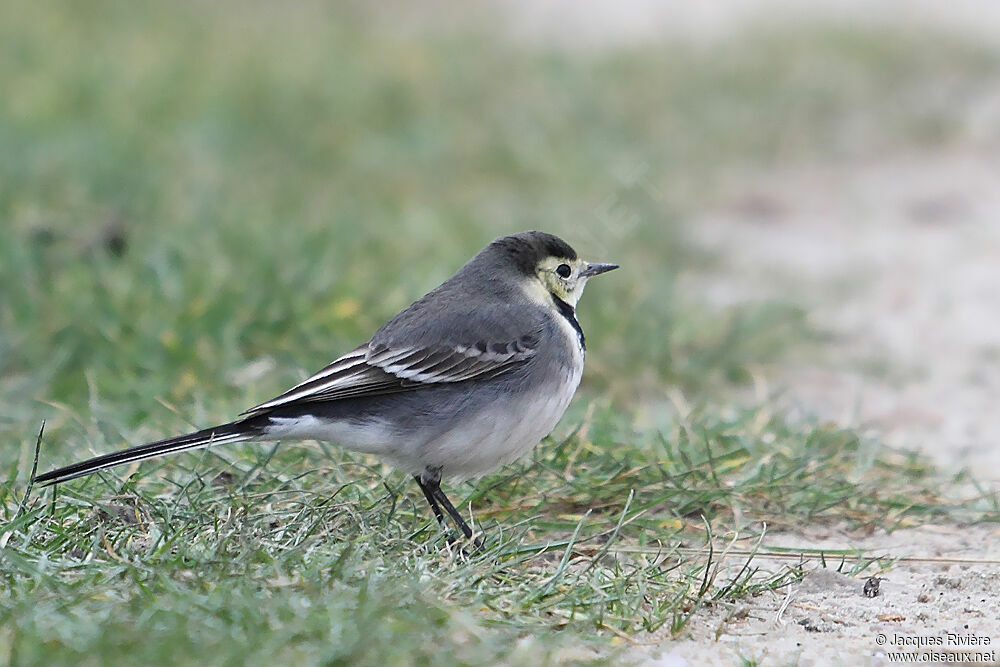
<point x="506" y="428"/>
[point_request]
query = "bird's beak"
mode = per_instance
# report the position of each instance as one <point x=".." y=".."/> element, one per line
<point x="592" y="270"/>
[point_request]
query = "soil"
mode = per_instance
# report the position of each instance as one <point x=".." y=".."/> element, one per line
<point x="827" y="619"/>
<point x="899" y="262"/>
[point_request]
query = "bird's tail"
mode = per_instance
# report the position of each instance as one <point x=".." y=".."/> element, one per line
<point x="237" y="431"/>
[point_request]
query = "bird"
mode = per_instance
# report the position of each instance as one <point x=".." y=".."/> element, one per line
<point x="469" y="377"/>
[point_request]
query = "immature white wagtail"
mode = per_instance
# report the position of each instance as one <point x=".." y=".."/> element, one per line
<point x="464" y="380"/>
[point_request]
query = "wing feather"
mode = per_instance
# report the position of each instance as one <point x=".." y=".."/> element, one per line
<point x="374" y="369"/>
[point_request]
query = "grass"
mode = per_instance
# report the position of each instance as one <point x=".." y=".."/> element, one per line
<point x="312" y="556"/>
<point x="195" y="213"/>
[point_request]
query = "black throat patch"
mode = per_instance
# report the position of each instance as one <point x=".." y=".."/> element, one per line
<point x="567" y="311"/>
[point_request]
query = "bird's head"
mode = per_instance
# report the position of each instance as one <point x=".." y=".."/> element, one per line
<point x="548" y="266"/>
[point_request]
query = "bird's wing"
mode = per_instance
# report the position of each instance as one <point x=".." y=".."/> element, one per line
<point x="377" y="368"/>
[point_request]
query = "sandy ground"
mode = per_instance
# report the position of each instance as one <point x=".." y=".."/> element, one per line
<point x="826" y="619"/>
<point x="899" y="262"/>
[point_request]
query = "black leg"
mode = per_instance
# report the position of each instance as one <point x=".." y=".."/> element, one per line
<point x="430" y="484"/>
<point x="443" y="499"/>
<point x="430" y="500"/>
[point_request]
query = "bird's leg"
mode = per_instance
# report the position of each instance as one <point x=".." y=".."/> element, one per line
<point x="438" y="514"/>
<point x="443" y="499"/>
<point x="430" y="484"/>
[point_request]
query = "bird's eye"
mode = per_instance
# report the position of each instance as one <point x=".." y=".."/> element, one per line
<point x="563" y="270"/>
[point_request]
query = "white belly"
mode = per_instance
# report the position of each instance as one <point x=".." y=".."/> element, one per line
<point x="499" y="434"/>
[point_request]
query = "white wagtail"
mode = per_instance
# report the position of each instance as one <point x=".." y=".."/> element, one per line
<point x="466" y="379"/>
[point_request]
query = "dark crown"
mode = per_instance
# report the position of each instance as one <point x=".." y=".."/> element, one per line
<point x="527" y="249"/>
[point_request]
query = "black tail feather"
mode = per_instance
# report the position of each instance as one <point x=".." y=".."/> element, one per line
<point x="226" y="433"/>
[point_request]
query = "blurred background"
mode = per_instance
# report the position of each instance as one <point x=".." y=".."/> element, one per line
<point x="202" y="202"/>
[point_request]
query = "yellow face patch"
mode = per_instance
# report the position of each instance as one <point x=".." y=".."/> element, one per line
<point x="561" y="278"/>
